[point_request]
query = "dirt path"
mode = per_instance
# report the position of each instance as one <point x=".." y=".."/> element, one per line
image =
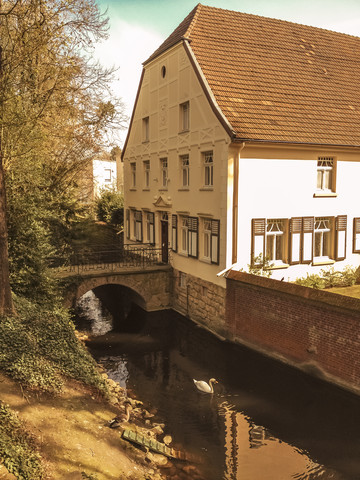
<point x="73" y="434"/>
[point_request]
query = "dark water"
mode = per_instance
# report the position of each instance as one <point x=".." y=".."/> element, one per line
<point x="265" y="421"/>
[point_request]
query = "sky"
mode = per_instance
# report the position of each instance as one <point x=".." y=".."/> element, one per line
<point x="138" y="27"/>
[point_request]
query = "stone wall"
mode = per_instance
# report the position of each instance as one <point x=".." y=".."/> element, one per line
<point x="314" y="330"/>
<point x="201" y="301"/>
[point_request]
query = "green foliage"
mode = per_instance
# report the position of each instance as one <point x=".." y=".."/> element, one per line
<point x="17" y="448"/>
<point x="330" y="278"/>
<point x="261" y="267"/>
<point x="110" y="207"/>
<point x="38" y="347"/>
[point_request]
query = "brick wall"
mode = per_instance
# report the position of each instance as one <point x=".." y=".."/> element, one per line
<point x="314" y="330"/>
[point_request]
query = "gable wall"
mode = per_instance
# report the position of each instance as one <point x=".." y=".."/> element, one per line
<point x="159" y="98"/>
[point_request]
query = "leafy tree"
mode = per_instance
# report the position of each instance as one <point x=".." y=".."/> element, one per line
<point x="110" y="207"/>
<point x="54" y="112"/>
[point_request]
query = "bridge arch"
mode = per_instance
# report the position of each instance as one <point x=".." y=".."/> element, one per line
<point x="149" y="289"/>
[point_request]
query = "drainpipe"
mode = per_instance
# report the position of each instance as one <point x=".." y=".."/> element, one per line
<point x="235" y="204"/>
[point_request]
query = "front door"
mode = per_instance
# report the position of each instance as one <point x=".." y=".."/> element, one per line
<point x="164" y="241"/>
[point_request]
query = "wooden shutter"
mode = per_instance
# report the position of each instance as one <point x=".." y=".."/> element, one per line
<point x="193" y="237"/>
<point x="356" y="235"/>
<point x="174" y="233"/>
<point x="127" y="223"/>
<point x="307" y="239"/>
<point x="340" y="237"/>
<point x="295" y="240"/>
<point x="151" y="228"/>
<point x="258" y="228"/>
<point x="215" y="241"/>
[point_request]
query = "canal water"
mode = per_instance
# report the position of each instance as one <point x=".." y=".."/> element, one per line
<point x="265" y="421"/>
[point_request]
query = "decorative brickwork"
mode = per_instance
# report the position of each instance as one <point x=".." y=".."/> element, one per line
<point x="316" y="331"/>
<point x="201" y="301"/>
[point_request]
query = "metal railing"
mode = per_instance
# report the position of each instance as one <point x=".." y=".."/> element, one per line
<point x="110" y="259"/>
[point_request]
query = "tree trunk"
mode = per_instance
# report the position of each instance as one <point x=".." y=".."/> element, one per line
<point x="6" y="303"/>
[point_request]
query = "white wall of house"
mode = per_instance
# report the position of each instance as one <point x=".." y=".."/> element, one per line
<point x="283" y="186"/>
<point x="104" y="174"/>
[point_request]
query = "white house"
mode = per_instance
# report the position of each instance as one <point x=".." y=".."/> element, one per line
<point x="245" y="140"/>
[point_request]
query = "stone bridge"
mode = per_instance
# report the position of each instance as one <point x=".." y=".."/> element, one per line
<point x="148" y="287"/>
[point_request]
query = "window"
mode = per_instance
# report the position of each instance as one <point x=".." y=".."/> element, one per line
<point x="275" y="240"/>
<point x="150" y="233"/>
<point x="356" y="235"/>
<point x="322" y="238"/>
<point x="184" y="116"/>
<point x="340" y="237"/>
<point x="184" y="234"/>
<point x="133" y="174"/>
<point x="325" y="174"/>
<point x="182" y="279"/>
<point x="138" y="226"/>
<point x="208" y="169"/>
<point x="174" y="233"/>
<point x="146" y="166"/>
<point x="268" y="241"/>
<point x="211" y="231"/>
<point x="164" y="172"/>
<point x="185" y="174"/>
<point x="145" y="129"/>
<point x="107" y="174"/>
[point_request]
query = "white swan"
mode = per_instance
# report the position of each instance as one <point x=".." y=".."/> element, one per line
<point x="205" y="387"/>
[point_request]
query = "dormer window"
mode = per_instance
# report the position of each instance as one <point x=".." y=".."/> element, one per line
<point x="325" y="174"/>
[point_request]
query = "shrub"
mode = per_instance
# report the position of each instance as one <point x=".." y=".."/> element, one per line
<point x="330" y="278"/>
<point x="110" y="208"/>
<point x="38" y="347"/>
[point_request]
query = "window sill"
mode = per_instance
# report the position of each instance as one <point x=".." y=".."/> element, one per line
<point x="184" y="131"/>
<point x="164" y="189"/>
<point x="183" y="254"/>
<point x="145" y="141"/>
<point x="279" y="266"/>
<point x="146" y="189"/>
<point x="324" y="194"/>
<point x="205" y="260"/>
<point x="325" y="261"/>
<point x="183" y="189"/>
<point x="206" y="189"/>
<point x="132" y="189"/>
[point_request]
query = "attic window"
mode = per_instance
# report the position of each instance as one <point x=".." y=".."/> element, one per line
<point x="163" y="71"/>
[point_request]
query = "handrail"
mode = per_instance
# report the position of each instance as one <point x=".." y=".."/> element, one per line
<point x="127" y="256"/>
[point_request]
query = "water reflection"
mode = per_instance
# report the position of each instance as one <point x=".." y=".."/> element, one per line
<point x="264" y="422"/>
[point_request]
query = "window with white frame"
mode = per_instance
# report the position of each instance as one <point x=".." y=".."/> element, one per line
<point x="146" y="165"/>
<point x="138" y="226"/>
<point x="107" y="174"/>
<point x="184" y="116"/>
<point x="164" y="172"/>
<point x="145" y="129"/>
<point x="275" y="229"/>
<point x="133" y="174"/>
<point x="268" y="241"/>
<point x="185" y="173"/>
<point x="174" y="233"/>
<point x="184" y="225"/>
<point x="208" y="169"/>
<point x="210" y="240"/>
<point x="322" y="238"/>
<point x="356" y="235"/>
<point x="207" y="239"/>
<point x="150" y="231"/>
<point x="325" y="174"/>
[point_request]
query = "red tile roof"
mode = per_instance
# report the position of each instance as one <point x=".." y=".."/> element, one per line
<point x="276" y="80"/>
